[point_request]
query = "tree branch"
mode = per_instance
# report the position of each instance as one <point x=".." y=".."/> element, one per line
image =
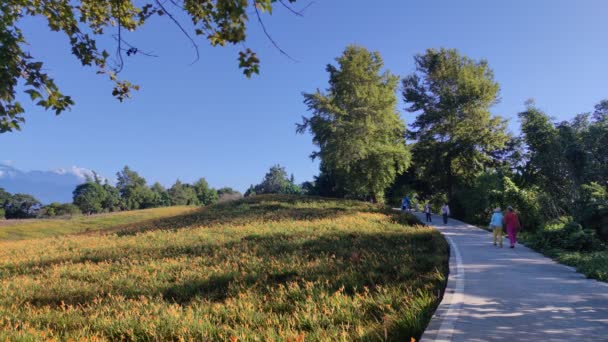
<point x="257" y="13"/>
<point x="181" y="29"/>
<point x="121" y="62"/>
<point x="132" y="49"/>
<point x="299" y="13"/>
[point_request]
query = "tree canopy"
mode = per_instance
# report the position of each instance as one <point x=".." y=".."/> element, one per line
<point x="275" y="181"/>
<point x="356" y="126"/>
<point x="182" y="194"/>
<point x="204" y="193"/>
<point x="21" y="206"/>
<point x="454" y="132"/>
<point x="133" y="190"/>
<point x="90" y="197"/>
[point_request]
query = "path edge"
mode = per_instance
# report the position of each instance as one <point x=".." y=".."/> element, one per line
<point x="441" y="326"/>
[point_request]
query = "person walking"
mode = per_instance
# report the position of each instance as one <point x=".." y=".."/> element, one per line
<point x="513" y="225"/>
<point x="445" y="211"/>
<point x="405" y="203"/>
<point x="496" y="226"/>
<point x="427" y="211"/>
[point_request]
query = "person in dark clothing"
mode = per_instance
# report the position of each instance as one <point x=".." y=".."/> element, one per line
<point x="427" y="211"/>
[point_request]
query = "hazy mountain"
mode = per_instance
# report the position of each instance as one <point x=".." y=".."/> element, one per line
<point x="46" y="186"/>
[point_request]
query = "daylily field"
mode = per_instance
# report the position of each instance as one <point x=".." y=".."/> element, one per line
<point x="266" y="268"/>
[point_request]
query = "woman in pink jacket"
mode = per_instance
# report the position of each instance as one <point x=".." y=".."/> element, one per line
<point x="513" y="225"/>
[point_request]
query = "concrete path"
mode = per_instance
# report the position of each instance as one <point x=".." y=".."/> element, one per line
<point x="506" y="294"/>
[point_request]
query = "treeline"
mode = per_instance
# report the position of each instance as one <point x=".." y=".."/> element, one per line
<point x="131" y="192"/>
<point x="457" y="151"/>
<point x="18" y="206"/>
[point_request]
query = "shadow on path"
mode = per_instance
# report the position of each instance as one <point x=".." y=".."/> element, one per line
<point x="520" y="295"/>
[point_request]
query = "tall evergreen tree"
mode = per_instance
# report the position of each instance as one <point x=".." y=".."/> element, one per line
<point x="356" y="126"/>
<point x="454" y="132"/>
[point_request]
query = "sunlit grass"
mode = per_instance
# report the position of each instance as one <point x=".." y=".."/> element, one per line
<point x="38" y="228"/>
<point x="272" y="268"/>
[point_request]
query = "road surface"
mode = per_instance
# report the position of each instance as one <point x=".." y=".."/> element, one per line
<point x="506" y="294"/>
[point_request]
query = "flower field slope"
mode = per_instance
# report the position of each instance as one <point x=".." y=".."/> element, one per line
<point x="39" y="228"/>
<point x="267" y="268"/>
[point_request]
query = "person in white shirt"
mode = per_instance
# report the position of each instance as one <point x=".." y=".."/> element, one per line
<point x="445" y="211"/>
<point x="427" y="211"/>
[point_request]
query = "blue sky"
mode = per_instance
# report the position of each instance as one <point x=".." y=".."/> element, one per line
<point x="207" y="120"/>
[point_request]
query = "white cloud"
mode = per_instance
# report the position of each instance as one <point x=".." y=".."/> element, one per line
<point x="1" y="173"/>
<point x="79" y="172"/>
<point x="8" y="162"/>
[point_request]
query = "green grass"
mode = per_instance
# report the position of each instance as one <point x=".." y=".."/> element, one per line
<point x="40" y="228"/>
<point x="269" y="268"/>
<point x="591" y="263"/>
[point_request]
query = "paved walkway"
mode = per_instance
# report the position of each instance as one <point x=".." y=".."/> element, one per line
<point x="506" y="294"/>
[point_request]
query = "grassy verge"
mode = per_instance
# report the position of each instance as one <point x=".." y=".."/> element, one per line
<point x="271" y="268"/>
<point x="39" y="228"/>
<point x="590" y="261"/>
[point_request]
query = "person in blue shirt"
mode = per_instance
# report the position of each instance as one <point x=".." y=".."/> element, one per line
<point x="496" y="226"/>
<point x="405" y="203"/>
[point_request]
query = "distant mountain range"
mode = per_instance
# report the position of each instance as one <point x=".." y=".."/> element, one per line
<point x="46" y="186"/>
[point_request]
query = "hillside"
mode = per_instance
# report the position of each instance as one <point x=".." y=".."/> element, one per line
<point x="263" y="268"/>
<point x="39" y="228"/>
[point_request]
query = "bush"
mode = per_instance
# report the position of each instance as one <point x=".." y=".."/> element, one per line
<point x="564" y="234"/>
<point x="58" y="210"/>
<point x="592" y="210"/>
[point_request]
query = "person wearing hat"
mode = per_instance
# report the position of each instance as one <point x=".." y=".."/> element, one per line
<point x="496" y="226"/>
<point x="512" y="224"/>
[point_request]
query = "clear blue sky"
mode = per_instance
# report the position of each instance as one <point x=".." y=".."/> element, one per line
<point x="206" y="119"/>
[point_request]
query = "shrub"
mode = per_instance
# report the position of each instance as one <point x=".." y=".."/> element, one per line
<point x="592" y="211"/>
<point x="564" y="234"/>
<point x="58" y="209"/>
